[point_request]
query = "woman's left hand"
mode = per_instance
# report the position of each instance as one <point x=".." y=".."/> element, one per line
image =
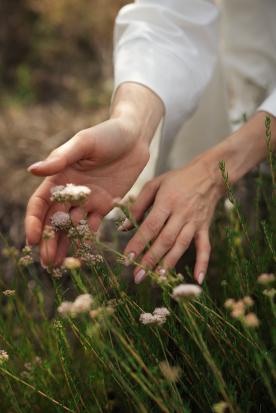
<point x="183" y="203"/>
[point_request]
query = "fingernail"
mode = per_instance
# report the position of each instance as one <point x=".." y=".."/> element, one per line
<point x="43" y="265"/>
<point x="35" y="165"/>
<point x="121" y="227"/>
<point x="131" y="257"/>
<point x="140" y="276"/>
<point x="201" y="278"/>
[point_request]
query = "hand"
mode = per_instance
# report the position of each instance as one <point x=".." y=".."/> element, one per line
<point x="107" y="158"/>
<point x="183" y="205"/>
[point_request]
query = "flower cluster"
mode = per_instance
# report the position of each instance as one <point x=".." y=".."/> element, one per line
<point x="9" y="292"/>
<point x="265" y="278"/>
<point x="57" y="272"/>
<point x="186" y="292"/>
<point x="69" y="193"/>
<point x="113" y="302"/>
<point x="171" y="373"/>
<point x="27" y="250"/>
<point x="27" y="260"/>
<point x="238" y="311"/>
<point x="270" y="293"/>
<point x="10" y="252"/>
<point x="101" y="312"/>
<point x="48" y="232"/>
<point x="80" y="231"/>
<point x="124" y="203"/>
<point x="91" y="259"/>
<point x="71" y="263"/>
<point x="3" y="356"/>
<point x="61" y="220"/>
<point x="82" y="304"/>
<point x="158" y="317"/>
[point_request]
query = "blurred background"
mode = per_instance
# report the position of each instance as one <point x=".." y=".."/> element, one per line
<point x="55" y="79"/>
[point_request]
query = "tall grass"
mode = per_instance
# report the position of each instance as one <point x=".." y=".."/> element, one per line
<point x="102" y="352"/>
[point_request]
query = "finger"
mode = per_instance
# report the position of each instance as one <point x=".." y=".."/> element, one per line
<point x="37" y="208"/>
<point x="147" y="231"/>
<point x="203" y="249"/>
<point x="162" y="244"/>
<point x="181" y="244"/>
<point x="67" y="154"/>
<point x="142" y="203"/>
<point x="48" y="250"/>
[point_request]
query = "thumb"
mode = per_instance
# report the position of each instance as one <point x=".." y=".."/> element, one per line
<point x="67" y="154"/>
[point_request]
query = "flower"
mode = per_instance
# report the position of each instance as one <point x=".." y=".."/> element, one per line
<point x="25" y="374"/>
<point x="28" y="366"/>
<point x="229" y="303"/>
<point x="186" y="292"/>
<point x="57" y="324"/>
<point x="224" y="283"/>
<point x="24" y="261"/>
<point x="148" y="318"/>
<point x="57" y="272"/>
<point x="124" y="203"/>
<point x="48" y="232"/>
<point x="248" y="301"/>
<point x="9" y="292"/>
<point x="220" y="407"/>
<point x="251" y="320"/>
<point x="71" y="263"/>
<point x="171" y="373"/>
<point x="60" y="220"/>
<point x="82" y="304"/>
<point x="79" y="232"/>
<point x="238" y="309"/>
<point x="270" y="293"/>
<point x="70" y="193"/>
<point x="265" y="278"/>
<point x="162" y="312"/>
<point x="3" y="356"/>
<point x="38" y="360"/>
<point x="10" y="252"/>
<point x="27" y="250"/>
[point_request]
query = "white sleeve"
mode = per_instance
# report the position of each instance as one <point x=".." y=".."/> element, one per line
<point x="170" y="46"/>
<point x="269" y="105"/>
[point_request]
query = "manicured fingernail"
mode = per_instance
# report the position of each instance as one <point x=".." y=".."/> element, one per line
<point x="201" y="278"/>
<point x="140" y="276"/>
<point x="131" y="257"/>
<point x="125" y="223"/>
<point x="35" y="165"/>
<point x="43" y="265"/>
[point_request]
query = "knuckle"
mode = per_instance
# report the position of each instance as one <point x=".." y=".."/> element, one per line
<point x="204" y="263"/>
<point x="170" y="262"/>
<point x="139" y="245"/>
<point x="153" y="225"/>
<point x="184" y="240"/>
<point x="149" y="261"/>
<point x="167" y="239"/>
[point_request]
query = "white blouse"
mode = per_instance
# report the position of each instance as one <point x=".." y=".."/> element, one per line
<point x="172" y="46"/>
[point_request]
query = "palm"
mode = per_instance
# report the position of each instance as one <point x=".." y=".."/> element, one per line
<point x="108" y="166"/>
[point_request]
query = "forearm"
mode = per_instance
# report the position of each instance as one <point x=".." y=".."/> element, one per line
<point x="241" y="151"/>
<point x="140" y="108"/>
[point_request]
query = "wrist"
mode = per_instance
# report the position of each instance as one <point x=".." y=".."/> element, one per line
<point x="140" y="110"/>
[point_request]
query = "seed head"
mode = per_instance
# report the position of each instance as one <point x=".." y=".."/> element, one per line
<point x="186" y="292"/>
<point x="171" y="373"/>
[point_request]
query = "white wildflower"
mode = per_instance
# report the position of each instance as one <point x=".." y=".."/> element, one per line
<point x="27" y="250"/>
<point x="70" y="193"/>
<point x="28" y="366"/>
<point x="10" y="252"/>
<point x="186" y="292"/>
<point x="27" y="260"/>
<point x="251" y="320"/>
<point x="25" y="374"/>
<point x="270" y="293"/>
<point x="9" y="292"/>
<point x="171" y="373"/>
<point x="48" y="232"/>
<point x="248" y="301"/>
<point x="79" y="232"/>
<point x="71" y="263"/>
<point x="148" y="318"/>
<point x="265" y="278"/>
<point x="60" y="220"/>
<point x="163" y="312"/>
<point x="38" y="360"/>
<point x="64" y="309"/>
<point x="82" y="304"/>
<point x="3" y="356"/>
<point x="229" y="303"/>
<point x="238" y="309"/>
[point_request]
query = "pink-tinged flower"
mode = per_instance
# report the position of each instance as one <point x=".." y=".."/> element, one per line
<point x="148" y="318"/>
<point x="186" y="292"/>
<point x="3" y="356"/>
<point x="48" y="232"/>
<point x="60" y="220"/>
<point x="163" y="312"/>
<point x="70" y="193"/>
<point x="265" y="278"/>
<point x="251" y="320"/>
<point x="24" y="261"/>
<point x="27" y="250"/>
<point x="229" y="303"/>
<point x="9" y="292"/>
<point x="270" y="293"/>
<point x="248" y="301"/>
